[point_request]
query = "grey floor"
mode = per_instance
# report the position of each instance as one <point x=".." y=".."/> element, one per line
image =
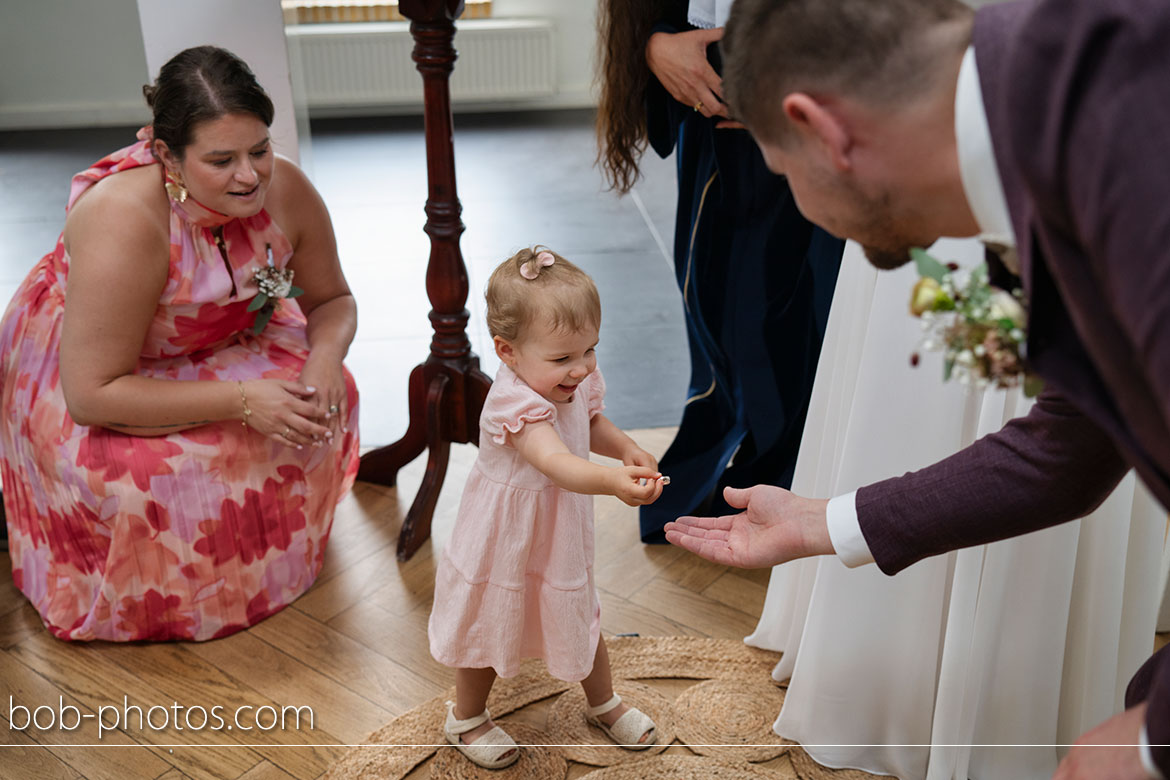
<point x="523" y="179"/>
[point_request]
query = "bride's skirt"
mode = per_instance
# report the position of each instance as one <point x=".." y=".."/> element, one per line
<point x="1028" y="641"/>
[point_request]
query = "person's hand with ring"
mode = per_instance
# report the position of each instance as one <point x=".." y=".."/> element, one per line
<point x="679" y="61"/>
<point x="327" y="376"/>
<point x="284" y="411"/>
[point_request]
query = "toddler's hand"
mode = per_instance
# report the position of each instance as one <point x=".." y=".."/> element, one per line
<point x="637" y="485"/>
<point x="636" y="456"/>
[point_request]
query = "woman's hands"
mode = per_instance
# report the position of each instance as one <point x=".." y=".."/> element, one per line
<point x="331" y="399"/>
<point x="285" y="412"/>
<point x="679" y="61"/>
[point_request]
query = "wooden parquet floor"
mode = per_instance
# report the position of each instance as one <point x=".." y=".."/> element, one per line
<point x="353" y="649"/>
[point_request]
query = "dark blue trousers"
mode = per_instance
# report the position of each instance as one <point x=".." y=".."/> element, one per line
<point x="757" y="281"/>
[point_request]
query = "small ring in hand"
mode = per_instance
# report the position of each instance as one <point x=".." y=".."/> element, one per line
<point x="287" y="431"/>
<point x="699" y="106"/>
<point x="333" y="409"/>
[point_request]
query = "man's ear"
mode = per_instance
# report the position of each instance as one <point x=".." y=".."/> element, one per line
<point x="818" y="123"/>
<point x="504" y="351"/>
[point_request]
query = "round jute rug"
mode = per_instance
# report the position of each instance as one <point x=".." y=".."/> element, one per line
<point x="536" y="762"/>
<point x="407" y="743"/>
<point x="808" y="769"/>
<point x="588" y="744"/>
<point x="683" y="768"/>
<point x="688" y="658"/>
<point x="731" y="719"/>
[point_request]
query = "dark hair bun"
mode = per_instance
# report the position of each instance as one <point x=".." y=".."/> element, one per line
<point x="199" y="84"/>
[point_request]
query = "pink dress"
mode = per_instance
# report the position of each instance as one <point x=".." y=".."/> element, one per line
<point x="194" y="535"/>
<point x="516" y="579"/>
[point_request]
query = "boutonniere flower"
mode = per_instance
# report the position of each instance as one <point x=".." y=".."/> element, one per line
<point x="274" y="283"/>
<point x="980" y="329"/>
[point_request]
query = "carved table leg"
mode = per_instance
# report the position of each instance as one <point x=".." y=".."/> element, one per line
<point x="416" y="528"/>
<point x="381" y="466"/>
<point x="447" y="390"/>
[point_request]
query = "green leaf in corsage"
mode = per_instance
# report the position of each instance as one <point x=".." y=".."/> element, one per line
<point x="275" y="284"/>
<point x="262" y="319"/>
<point x="258" y="301"/>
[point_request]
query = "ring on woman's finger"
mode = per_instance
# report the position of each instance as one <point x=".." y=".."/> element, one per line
<point x="699" y="106"/>
<point x="333" y="409"/>
<point x="287" y="431"/>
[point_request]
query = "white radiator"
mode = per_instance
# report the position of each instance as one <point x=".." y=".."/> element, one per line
<point x="351" y="66"/>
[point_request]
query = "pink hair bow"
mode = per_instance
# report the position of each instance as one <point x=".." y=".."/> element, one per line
<point x="530" y="269"/>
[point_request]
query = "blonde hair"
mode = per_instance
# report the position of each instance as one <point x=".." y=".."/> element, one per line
<point x="561" y="292"/>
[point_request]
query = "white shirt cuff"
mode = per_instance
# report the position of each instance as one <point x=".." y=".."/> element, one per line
<point x="845" y="531"/>
<point x="1148" y="759"/>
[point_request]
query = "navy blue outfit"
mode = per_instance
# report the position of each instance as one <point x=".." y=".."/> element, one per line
<point x="757" y="281"/>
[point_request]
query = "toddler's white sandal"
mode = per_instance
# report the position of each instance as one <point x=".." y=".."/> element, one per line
<point x="490" y="749"/>
<point x="626" y="730"/>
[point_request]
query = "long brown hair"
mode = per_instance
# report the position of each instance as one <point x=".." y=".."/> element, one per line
<point x="623" y="28"/>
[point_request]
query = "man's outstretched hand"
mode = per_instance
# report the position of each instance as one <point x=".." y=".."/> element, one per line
<point x="777" y="526"/>
<point x="1108" y="751"/>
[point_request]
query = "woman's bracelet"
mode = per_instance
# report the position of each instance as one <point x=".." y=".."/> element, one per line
<point x="244" y="400"/>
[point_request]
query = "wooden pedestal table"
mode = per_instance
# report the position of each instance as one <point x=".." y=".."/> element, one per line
<point x="446" y="390"/>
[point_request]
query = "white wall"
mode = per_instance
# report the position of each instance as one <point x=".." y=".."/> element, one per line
<point x="576" y="39"/>
<point x="67" y="63"/>
<point x="256" y="35"/>
<point x="76" y="63"/>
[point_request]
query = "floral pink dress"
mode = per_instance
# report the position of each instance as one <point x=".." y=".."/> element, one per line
<point x="194" y="535"/>
<point x="516" y="579"/>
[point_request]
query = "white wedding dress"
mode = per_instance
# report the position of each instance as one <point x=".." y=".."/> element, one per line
<point x="928" y="674"/>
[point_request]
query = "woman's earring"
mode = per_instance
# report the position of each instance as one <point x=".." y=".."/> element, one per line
<point x="175" y="187"/>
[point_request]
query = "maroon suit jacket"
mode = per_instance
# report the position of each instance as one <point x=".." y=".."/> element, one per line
<point x="1076" y="94"/>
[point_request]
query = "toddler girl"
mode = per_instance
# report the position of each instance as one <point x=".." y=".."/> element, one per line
<point x="516" y="580"/>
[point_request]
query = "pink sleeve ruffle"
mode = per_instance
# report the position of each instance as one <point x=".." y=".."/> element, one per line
<point x="510" y="406"/>
<point x="595" y="393"/>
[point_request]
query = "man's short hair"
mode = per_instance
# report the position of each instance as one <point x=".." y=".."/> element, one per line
<point x="879" y="50"/>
